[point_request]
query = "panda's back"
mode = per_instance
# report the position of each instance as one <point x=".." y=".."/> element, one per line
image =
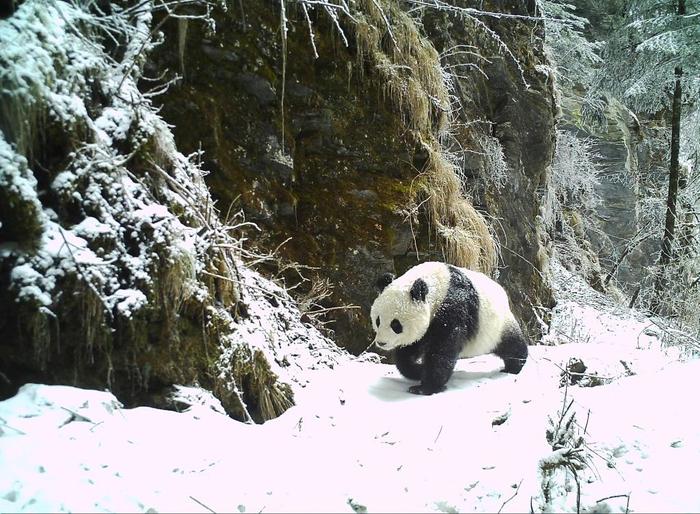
<point x="494" y="315"/>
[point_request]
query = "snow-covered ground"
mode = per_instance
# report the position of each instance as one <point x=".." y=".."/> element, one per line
<point x="358" y="441"/>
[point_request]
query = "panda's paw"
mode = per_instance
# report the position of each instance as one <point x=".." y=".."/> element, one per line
<point x="421" y="389"/>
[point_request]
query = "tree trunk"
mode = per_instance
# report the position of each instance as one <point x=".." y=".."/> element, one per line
<point x="671" y="200"/>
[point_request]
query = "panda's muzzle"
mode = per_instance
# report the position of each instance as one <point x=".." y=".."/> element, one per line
<point x="380" y="344"/>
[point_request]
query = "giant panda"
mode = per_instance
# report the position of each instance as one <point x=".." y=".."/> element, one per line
<point x="436" y="313"/>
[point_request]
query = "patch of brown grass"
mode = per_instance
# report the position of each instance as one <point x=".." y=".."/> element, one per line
<point x="410" y="74"/>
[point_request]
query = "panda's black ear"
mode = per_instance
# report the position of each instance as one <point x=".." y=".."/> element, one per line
<point x="383" y="281"/>
<point x="419" y="290"/>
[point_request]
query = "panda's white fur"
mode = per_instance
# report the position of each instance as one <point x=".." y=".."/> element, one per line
<point x="395" y="303"/>
<point x="435" y="314"/>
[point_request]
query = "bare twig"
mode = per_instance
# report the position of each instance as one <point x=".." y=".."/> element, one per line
<point x="438" y="434"/>
<point x="614" y="496"/>
<point x="92" y="287"/>
<point x="311" y="29"/>
<point x="513" y="496"/>
<point x="201" y="504"/>
<point x="134" y="58"/>
<point x="328" y="309"/>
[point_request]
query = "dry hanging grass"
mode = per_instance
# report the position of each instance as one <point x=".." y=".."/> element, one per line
<point x="411" y="76"/>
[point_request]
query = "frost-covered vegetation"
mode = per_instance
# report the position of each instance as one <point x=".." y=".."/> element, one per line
<point x="118" y="269"/>
<point x="651" y="66"/>
<point x="633" y="80"/>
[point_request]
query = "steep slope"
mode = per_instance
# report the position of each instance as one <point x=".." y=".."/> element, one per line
<point x="116" y="270"/>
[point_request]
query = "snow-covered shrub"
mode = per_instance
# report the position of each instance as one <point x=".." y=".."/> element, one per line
<point x="574" y="172"/>
<point x="574" y="57"/>
<point x="21" y="216"/>
<point x="496" y="168"/>
<point x="118" y="271"/>
<point x="566" y="462"/>
<point x="569" y="199"/>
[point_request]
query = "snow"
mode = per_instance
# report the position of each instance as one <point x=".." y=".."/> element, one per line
<point x="56" y="68"/>
<point x="129" y="301"/>
<point x="358" y="440"/>
<point x="14" y="176"/>
<point x="652" y="434"/>
<point x="113" y="124"/>
<point x="26" y="279"/>
<point x="91" y="228"/>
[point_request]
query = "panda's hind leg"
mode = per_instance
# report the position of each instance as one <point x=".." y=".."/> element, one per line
<point x="513" y="350"/>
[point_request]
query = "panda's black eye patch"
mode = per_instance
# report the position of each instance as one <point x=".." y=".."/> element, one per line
<point x="377" y="321"/>
<point x="396" y="326"/>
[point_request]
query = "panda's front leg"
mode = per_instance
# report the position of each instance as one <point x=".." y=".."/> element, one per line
<point x="437" y="370"/>
<point x="406" y="359"/>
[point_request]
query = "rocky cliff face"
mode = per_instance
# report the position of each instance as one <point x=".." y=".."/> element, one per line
<point x="116" y="271"/>
<point x="335" y="156"/>
<point x="511" y="108"/>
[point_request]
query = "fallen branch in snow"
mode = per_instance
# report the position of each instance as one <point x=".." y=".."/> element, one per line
<point x="517" y="489"/>
<point x="581" y="374"/>
<point x="613" y="496"/>
<point x="203" y="505"/>
<point x="627" y="506"/>
<point x="438" y="434"/>
<point x="4" y="424"/>
<point x="74" y="417"/>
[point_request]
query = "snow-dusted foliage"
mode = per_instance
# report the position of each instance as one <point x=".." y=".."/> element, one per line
<point x="651" y="64"/>
<point x="115" y="263"/>
<point x="19" y="203"/>
<point x="496" y="167"/>
<point x="574" y="57"/>
<point x="569" y="200"/>
<point x="640" y="62"/>
<point x="574" y="172"/>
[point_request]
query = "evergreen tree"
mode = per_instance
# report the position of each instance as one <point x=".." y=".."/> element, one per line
<point x="574" y="55"/>
<point x="652" y="65"/>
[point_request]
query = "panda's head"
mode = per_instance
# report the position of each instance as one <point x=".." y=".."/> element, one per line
<point x="401" y="313"/>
